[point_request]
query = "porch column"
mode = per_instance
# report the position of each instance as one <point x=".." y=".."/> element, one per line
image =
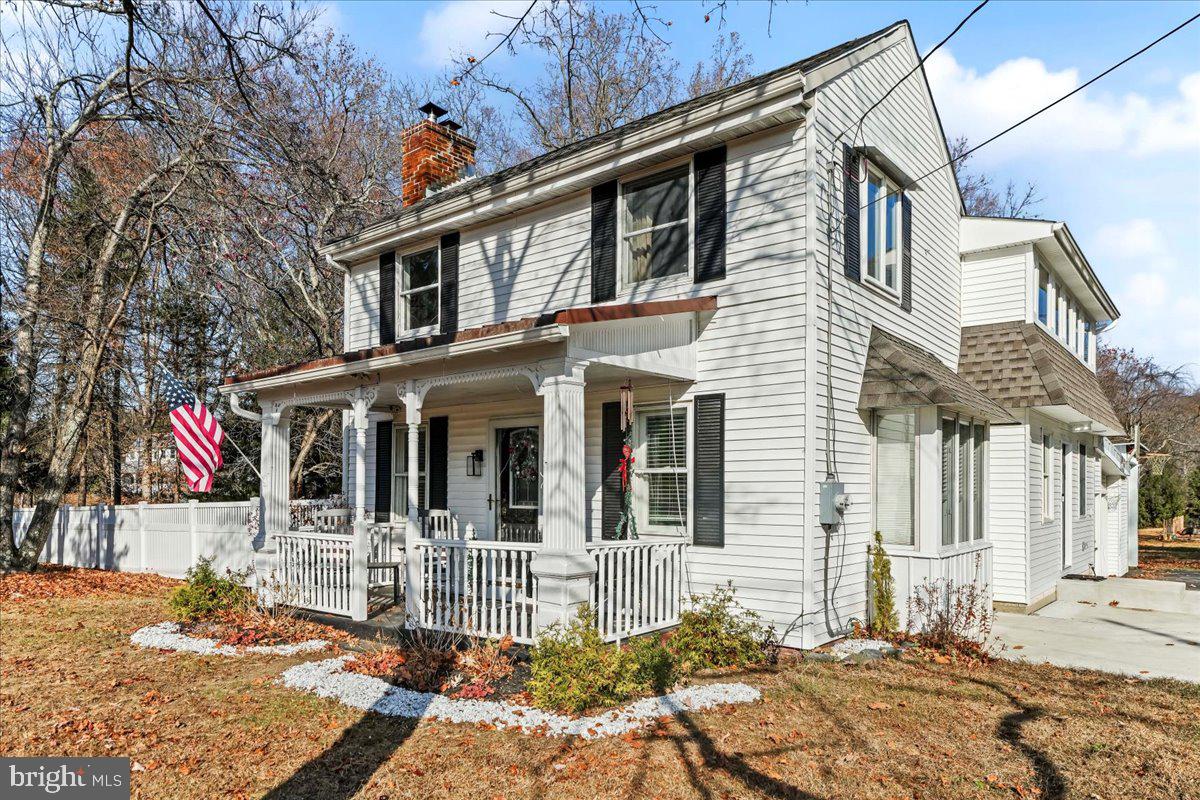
<point x="563" y="567"/>
<point x="360" y="549"/>
<point x="275" y="462"/>
<point x="412" y="561"/>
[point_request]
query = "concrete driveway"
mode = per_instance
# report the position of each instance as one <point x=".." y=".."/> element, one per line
<point x="1138" y="642"/>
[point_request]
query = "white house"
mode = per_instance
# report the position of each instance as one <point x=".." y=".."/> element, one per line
<point x="769" y="291"/>
<point x="1061" y="499"/>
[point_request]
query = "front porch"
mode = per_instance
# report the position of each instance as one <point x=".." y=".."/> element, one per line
<point x="507" y="527"/>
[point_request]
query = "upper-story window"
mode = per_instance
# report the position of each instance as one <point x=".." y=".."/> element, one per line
<point x="417" y="283"/>
<point x="655" y="225"/>
<point x="880" y="226"/>
<point x="1043" y="297"/>
<point x="1087" y="340"/>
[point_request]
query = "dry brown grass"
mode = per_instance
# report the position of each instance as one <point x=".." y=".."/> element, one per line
<point x="1159" y="559"/>
<point x="70" y="683"/>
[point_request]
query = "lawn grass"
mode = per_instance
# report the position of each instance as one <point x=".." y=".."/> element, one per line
<point x="70" y="683"/>
<point x="1158" y="559"/>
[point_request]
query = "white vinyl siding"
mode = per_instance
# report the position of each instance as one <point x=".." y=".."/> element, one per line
<point x="993" y="287"/>
<point x="1008" y="510"/>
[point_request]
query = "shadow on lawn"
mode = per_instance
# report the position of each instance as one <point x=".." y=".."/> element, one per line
<point x="347" y="764"/>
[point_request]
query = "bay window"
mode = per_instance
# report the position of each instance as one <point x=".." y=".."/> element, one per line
<point x="880" y="228"/>
<point x="417" y="291"/>
<point x="661" y="497"/>
<point x="1043" y="297"/>
<point x="963" y="479"/>
<point x="654" y="225"/>
<point x="895" y="475"/>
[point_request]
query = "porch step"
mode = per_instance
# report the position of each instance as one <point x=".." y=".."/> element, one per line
<point x="1171" y="596"/>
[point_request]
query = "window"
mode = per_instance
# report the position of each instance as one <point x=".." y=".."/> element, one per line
<point x="962" y="480"/>
<point x="881" y="224"/>
<point x="663" y="445"/>
<point x="1057" y="311"/>
<point x="1072" y="337"/>
<point x="1047" y="477"/>
<point x="948" y="427"/>
<point x="979" y="434"/>
<point x="1082" y="480"/>
<point x="523" y="485"/>
<point x="1087" y="340"/>
<point x="417" y="293"/>
<point x="895" y="475"/>
<point x="655" y="226"/>
<point x="400" y="471"/>
<point x="1043" y="297"/>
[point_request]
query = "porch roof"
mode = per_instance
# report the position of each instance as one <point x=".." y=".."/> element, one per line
<point x="898" y="373"/>
<point x="1022" y="366"/>
<point x="544" y="327"/>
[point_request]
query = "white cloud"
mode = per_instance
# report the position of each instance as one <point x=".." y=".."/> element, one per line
<point x="1158" y="296"/>
<point x="979" y="105"/>
<point x="461" y="27"/>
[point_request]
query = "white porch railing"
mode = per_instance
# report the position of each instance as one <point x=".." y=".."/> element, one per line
<point x="313" y="568"/>
<point x="638" y="588"/>
<point x="479" y="588"/>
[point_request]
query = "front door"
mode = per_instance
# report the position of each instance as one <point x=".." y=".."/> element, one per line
<point x="518" y="483"/>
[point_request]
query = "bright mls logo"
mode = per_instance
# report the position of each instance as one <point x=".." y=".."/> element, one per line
<point x="93" y="778"/>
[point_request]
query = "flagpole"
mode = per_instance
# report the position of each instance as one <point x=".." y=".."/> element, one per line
<point x="243" y="455"/>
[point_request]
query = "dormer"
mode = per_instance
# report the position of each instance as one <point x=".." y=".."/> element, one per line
<point x="1033" y="271"/>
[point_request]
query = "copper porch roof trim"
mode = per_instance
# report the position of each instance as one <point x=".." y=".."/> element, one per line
<point x="569" y="316"/>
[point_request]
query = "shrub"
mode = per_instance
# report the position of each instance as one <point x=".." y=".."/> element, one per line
<point x="884" y="623"/>
<point x="717" y="633"/>
<point x="573" y="669"/>
<point x="951" y="620"/>
<point x="206" y="593"/>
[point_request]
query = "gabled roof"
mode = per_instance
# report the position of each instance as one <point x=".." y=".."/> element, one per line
<point x="899" y="374"/>
<point x="1019" y="365"/>
<point x="680" y="110"/>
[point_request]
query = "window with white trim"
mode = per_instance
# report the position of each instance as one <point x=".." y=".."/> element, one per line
<point x="1082" y="472"/>
<point x="417" y="292"/>
<point x="400" y="470"/>
<point x="1043" y="296"/>
<point x="655" y="225"/>
<point x="661" y="463"/>
<point x="880" y="228"/>
<point x="895" y="475"/>
<point x="963" y="478"/>
<point x="1047" y="476"/>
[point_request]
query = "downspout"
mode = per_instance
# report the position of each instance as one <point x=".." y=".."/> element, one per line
<point x="235" y="403"/>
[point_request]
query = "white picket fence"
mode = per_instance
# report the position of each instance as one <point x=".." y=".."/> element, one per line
<point x="164" y="538"/>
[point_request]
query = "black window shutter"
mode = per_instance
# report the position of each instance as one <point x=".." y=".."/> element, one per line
<point x="383" y="471"/>
<point x="906" y="275"/>
<point x="709" y="478"/>
<point x="710" y="214"/>
<point x="850" y="160"/>
<point x="449" y="304"/>
<point x="387" y="298"/>
<point x="611" y="441"/>
<point x="439" y="462"/>
<point x="604" y="242"/>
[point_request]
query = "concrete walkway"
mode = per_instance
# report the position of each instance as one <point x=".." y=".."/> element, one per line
<point x="1130" y="641"/>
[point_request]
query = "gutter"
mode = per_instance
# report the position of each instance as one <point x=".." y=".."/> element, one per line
<point x="1067" y="242"/>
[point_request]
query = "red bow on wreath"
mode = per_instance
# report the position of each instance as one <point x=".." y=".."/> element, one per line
<point x="625" y="464"/>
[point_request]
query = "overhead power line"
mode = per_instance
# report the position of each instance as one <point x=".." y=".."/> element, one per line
<point x="1041" y="110"/>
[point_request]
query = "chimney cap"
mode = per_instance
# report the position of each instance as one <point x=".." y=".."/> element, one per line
<point x="432" y="110"/>
<point x="450" y="125"/>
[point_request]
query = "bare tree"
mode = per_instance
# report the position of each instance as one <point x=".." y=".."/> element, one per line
<point x="138" y="95"/>
<point x="981" y="197"/>
<point x="1164" y="403"/>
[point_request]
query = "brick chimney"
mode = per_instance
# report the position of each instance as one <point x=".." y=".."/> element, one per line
<point x="433" y="154"/>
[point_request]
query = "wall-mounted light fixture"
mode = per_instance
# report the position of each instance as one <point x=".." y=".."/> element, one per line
<point x="475" y="463"/>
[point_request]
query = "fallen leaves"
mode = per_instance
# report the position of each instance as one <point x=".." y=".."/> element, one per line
<point x="51" y="581"/>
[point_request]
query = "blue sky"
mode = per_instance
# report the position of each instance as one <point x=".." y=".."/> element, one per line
<point x="1120" y="163"/>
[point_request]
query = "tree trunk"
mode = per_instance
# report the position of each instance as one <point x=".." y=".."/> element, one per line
<point x="308" y="440"/>
<point x="114" y="435"/>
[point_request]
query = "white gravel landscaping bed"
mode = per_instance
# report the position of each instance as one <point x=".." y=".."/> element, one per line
<point x="167" y="636"/>
<point x="328" y="678"/>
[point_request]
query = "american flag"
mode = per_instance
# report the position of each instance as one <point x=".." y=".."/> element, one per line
<point x="198" y="435"/>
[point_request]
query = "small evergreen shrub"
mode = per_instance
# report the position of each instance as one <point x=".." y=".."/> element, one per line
<point x="573" y="669"/>
<point x="885" y="624"/>
<point x="206" y="594"/>
<point x="716" y="632"/>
